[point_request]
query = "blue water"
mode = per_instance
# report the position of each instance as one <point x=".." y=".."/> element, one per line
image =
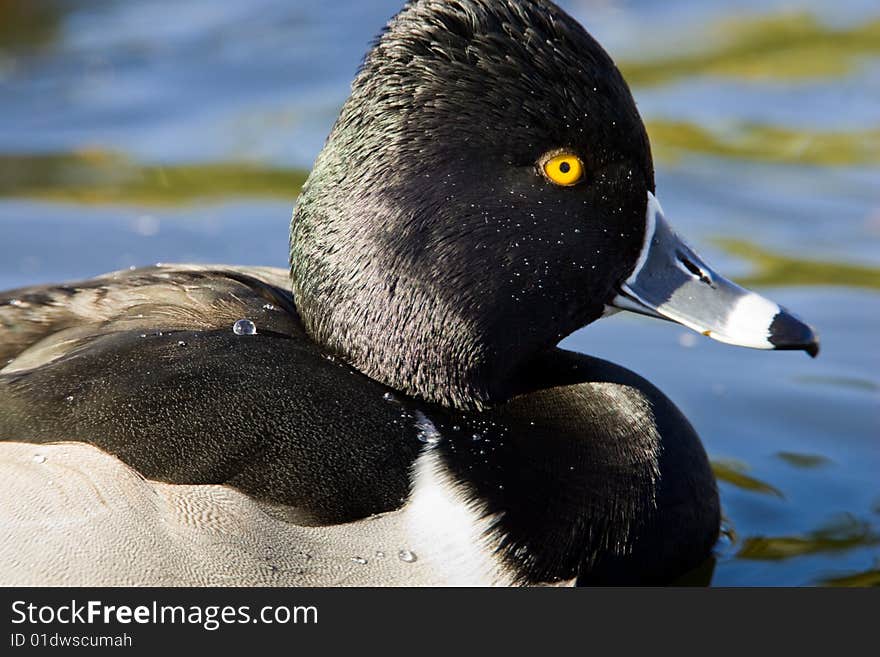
<point x="164" y="81"/>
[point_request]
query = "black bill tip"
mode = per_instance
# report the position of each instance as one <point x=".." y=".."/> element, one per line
<point x="787" y="332"/>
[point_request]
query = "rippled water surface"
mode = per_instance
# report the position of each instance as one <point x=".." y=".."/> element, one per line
<point x="135" y="132"/>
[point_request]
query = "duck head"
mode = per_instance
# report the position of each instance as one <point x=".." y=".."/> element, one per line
<point x="488" y="189"/>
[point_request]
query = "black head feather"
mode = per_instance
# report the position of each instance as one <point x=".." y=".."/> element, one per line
<point x="427" y="249"/>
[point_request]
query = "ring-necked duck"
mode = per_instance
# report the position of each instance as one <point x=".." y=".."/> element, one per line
<point x="401" y="413"/>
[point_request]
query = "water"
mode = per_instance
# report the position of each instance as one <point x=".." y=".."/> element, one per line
<point x="407" y="556"/>
<point x="244" y="327"/>
<point x="427" y="432"/>
<point x="132" y="133"/>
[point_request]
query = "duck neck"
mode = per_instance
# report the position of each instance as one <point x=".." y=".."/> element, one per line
<point x="441" y="358"/>
<point x="452" y="338"/>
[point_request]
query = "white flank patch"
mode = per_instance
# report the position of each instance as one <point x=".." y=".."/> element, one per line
<point x="450" y="529"/>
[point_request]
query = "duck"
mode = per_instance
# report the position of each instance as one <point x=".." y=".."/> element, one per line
<point x="394" y="408"/>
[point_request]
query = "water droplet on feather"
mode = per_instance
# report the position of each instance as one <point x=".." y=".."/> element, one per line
<point x="244" y="327"/>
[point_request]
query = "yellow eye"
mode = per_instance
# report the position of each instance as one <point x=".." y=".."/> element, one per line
<point x="565" y="169"/>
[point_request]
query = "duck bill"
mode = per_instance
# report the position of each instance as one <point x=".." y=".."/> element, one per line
<point x="672" y="282"/>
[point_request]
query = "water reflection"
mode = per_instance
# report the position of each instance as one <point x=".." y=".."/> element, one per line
<point x="29" y="24"/>
<point x="735" y="473"/>
<point x="774" y="269"/>
<point x="852" y="383"/>
<point x="840" y="534"/>
<point x="865" y="578"/>
<point x="673" y="140"/>
<point x="788" y="46"/>
<point x="100" y="177"/>
<point x="803" y="460"/>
